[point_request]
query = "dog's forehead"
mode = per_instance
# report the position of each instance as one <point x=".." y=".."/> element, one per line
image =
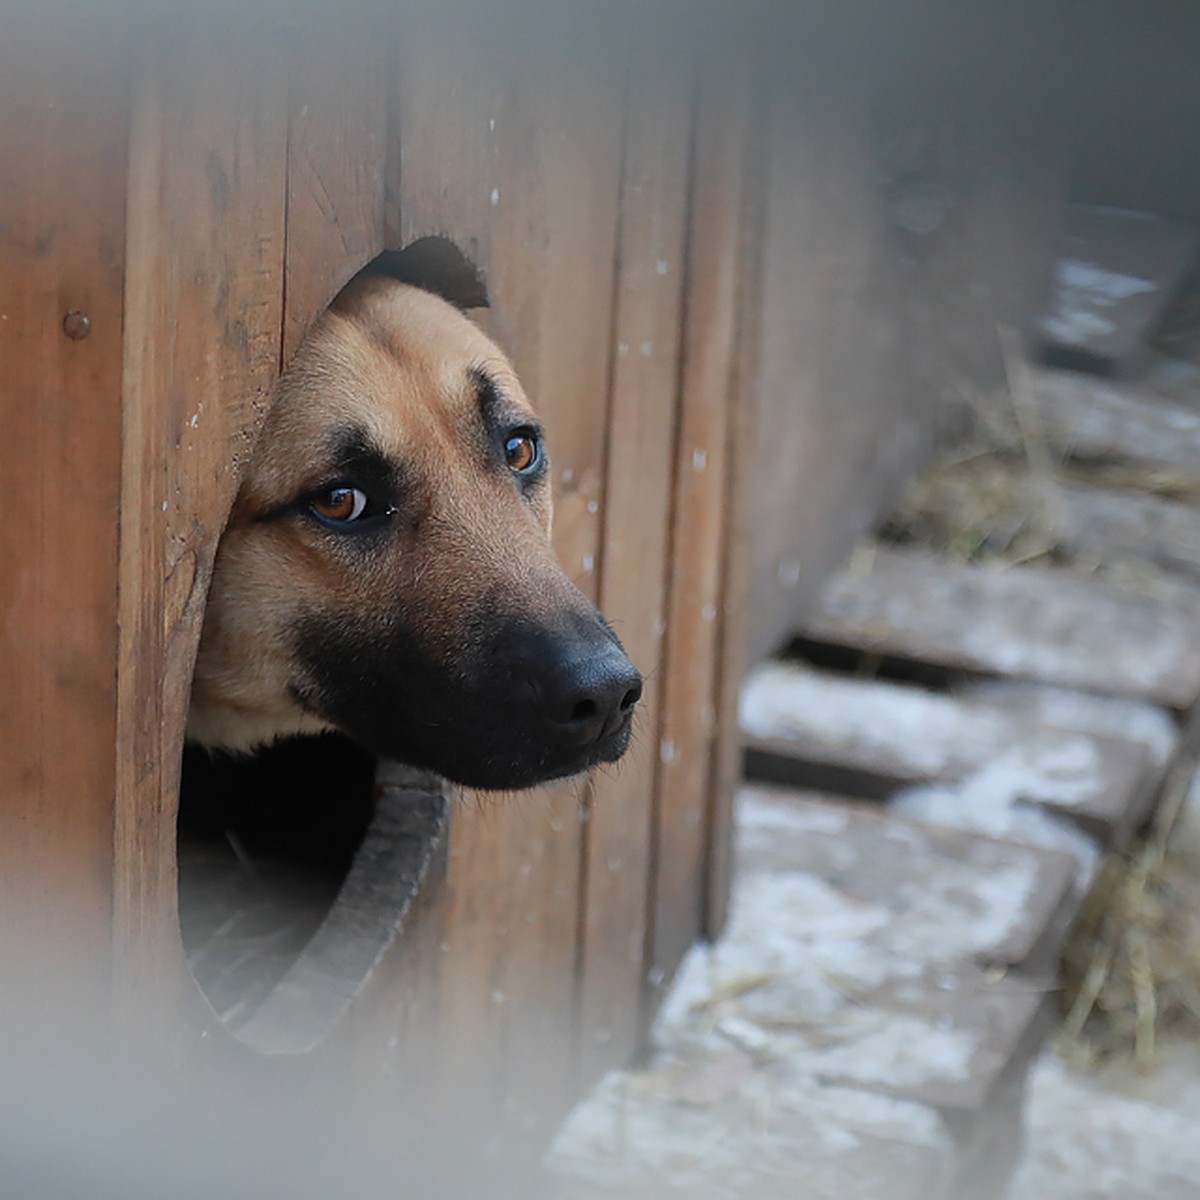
<point x="399" y="364"/>
<point x="427" y="337"/>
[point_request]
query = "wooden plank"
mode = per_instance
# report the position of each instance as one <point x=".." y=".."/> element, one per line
<point x="1117" y="271"/>
<point x="688" y="728"/>
<point x="62" y="223"/>
<point x="453" y="125"/>
<point x="1087" y="418"/>
<point x="830" y="282"/>
<point x="552" y="306"/>
<point x="932" y="909"/>
<point x="802" y="726"/>
<point x="510" y="145"/>
<point x="859" y="948"/>
<point x="733" y="619"/>
<point x="337" y="133"/>
<point x="633" y="559"/>
<point x="1050" y="626"/>
<point x="899" y="232"/>
<point x="1133" y="526"/>
<point x="207" y="178"/>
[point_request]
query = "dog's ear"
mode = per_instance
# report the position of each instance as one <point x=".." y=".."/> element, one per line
<point x="434" y="264"/>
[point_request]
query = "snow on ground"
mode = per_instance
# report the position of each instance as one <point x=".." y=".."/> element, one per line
<point x="1117" y="1134"/>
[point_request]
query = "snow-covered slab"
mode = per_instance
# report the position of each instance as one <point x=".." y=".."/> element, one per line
<point x="1121" y="1132"/>
<point x="1049" y="626"/>
<point x="716" y="1125"/>
<point x="1120" y="717"/>
<point x="801" y="726"/>
<point x="1090" y="418"/>
<point x="872" y="951"/>
<point x="1134" y="525"/>
<point x="938" y="897"/>
<point x="868" y="997"/>
<point x="1117" y="273"/>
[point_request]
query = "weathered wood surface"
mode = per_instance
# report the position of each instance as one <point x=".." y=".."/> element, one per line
<point x="336" y="154"/>
<point x="895" y="244"/>
<point x="203" y="321"/>
<point x="1133" y="526"/>
<point x="647" y="326"/>
<point x="1088" y="418"/>
<point x="878" y="737"/>
<point x="62" y="230"/>
<point x="1117" y="272"/>
<point x="702" y="499"/>
<point x="551" y="303"/>
<point x="454" y="121"/>
<point x="907" y="885"/>
<point x="1025" y="623"/>
<point x="823" y="222"/>
<point x="865" y="954"/>
<point x="734" y="614"/>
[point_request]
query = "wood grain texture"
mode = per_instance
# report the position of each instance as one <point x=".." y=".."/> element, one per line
<point x="337" y="133"/>
<point x="636" y="538"/>
<point x="835" y="368"/>
<point x="518" y="163"/>
<point x="551" y="287"/>
<point x="733" y="618"/>
<point x="238" y="171"/>
<point x="62" y="220"/>
<point x="897" y="235"/>
<point x="710" y="355"/>
<point x="452" y="124"/>
<point x="205" y="284"/>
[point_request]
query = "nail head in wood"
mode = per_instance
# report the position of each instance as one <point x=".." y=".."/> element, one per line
<point x="77" y="325"/>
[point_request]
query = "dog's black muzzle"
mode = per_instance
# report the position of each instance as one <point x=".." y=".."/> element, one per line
<point x="515" y="702"/>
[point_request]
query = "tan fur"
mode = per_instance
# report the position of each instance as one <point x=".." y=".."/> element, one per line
<point x="396" y="361"/>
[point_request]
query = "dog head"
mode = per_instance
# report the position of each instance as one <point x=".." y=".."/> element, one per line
<point x="387" y="571"/>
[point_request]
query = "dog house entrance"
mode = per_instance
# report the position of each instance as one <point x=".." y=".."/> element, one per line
<point x="298" y="865"/>
<point x="297" y="868"/>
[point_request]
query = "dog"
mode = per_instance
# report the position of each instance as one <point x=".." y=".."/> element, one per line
<point x="386" y="570"/>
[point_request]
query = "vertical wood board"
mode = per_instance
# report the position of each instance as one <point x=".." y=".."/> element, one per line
<point x="205" y="282"/>
<point x="636" y="538"/>
<point x="336" y="148"/>
<point x="452" y="125"/>
<point x="688" y="723"/>
<point x="519" y="165"/>
<point x="733" y="638"/>
<point x="836" y="377"/>
<point x="62" y="144"/>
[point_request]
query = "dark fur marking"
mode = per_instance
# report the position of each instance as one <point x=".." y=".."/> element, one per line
<point x="500" y="421"/>
<point x="476" y="717"/>
<point x="354" y="461"/>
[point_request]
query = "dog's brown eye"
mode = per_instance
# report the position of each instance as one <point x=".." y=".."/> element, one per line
<point x="522" y="452"/>
<point x="340" y="504"/>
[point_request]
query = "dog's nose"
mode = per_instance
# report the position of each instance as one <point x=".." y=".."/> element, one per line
<point x="586" y="699"/>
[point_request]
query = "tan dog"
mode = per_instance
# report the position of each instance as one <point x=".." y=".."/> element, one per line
<point x="387" y="571"/>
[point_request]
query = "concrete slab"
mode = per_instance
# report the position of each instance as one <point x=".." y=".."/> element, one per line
<point x="1116" y="275"/>
<point x="1119" y="1133"/>
<point x="1088" y="418"/>
<point x="858" y="1032"/>
<point x="801" y="726"/>
<point x="1064" y="708"/>
<point x="1139" y="526"/>
<point x="1049" y="626"/>
<point x="873" y="945"/>
<point x="711" y="1126"/>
